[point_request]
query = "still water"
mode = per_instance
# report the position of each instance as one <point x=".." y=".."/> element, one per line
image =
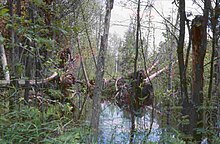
<point x="115" y="126"/>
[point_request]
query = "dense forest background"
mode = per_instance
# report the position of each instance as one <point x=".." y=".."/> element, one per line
<point x="60" y="64"/>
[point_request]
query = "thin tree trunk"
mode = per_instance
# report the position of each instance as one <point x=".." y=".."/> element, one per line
<point x="210" y="103"/>
<point x="4" y="60"/>
<point x="189" y="45"/>
<point x="12" y="35"/>
<point x="100" y="68"/>
<point x="88" y="37"/>
<point x="28" y="62"/>
<point x="86" y="78"/>
<point x="18" y="49"/>
<point x="144" y="60"/>
<point x="148" y="35"/>
<point x="27" y="83"/>
<point x="14" y="50"/>
<point x="212" y="97"/>
<point x="170" y="46"/>
<point x="133" y="102"/>
<point x="12" y="54"/>
<point x="180" y="53"/>
<point x="214" y="34"/>
<point x="170" y="86"/>
<point x="186" y="129"/>
<point x="216" y="88"/>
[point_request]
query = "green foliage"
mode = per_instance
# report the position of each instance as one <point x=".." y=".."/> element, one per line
<point x="171" y="137"/>
<point x="22" y="126"/>
<point x="29" y="125"/>
<point x="3" y="11"/>
<point x="38" y="2"/>
<point x="36" y="41"/>
<point x="75" y="135"/>
<point x="127" y="51"/>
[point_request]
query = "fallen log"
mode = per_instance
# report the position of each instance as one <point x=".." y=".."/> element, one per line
<point x="151" y="77"/>
<point x="119" y="89"/>
<point x="21" y="82"/>
<point x="152" y="67"/>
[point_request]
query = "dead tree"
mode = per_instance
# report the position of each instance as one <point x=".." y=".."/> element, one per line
<point x="100" y="67"/>
<point x="199" y="42"/>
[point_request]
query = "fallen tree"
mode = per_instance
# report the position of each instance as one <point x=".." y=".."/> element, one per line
<point x="119" y="89"/>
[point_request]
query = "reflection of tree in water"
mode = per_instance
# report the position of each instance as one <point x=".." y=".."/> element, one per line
<point x="124" y="91"/>
<point x="115" y="125"/>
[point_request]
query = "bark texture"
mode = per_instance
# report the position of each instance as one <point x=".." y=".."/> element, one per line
<point x="180" y="52"/>
<point x="100" y="67"/>
<point x="4" y="60"/>
<point x="199" y="43"/>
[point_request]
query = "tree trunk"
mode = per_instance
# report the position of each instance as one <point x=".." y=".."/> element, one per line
<point x="85" y="77"/>
<point x="100" y="67"/>
<point x="216" y="66"/>
<point x="199" y="43"/>
<point x="217" y="86"/>
<point x="189" y="44"/>
<point x="27" y="82"/>
<point x="88" y="37"/>
<point x="4" y="60"/>
<point x="133" y="102"/>
<point x="12" y="54"/>
<point x="28" y="61"/>
<point x="11" y="31"/>
<point x="182" y="70"/>
<point x="180" y="53"/>
<point x="14" y="50"/>
<point x="170" y="79"/>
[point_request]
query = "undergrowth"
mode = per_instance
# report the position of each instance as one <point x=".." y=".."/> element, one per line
<point x="30" y="125"/>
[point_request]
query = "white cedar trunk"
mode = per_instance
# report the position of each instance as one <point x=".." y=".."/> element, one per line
<point x="100" y="67"/>
<point x="4" y="61"/>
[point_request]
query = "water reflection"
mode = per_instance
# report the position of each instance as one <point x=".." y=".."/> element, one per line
<point x="115" y="126"/>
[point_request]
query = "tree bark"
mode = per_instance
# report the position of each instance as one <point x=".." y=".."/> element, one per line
<point x="199" y="43"/>
<point x="133" y="102"/>
<point x="170" y="79"/>
<point x="4" y="60"/>
<point x="214" y="41"/>
<point x="85" y="76"/>
<point x="180" y="53"/>
<point x="186" y="129"/>
<point x="100" y="68"/>
<point x="12" y="35"/>
<point x="214" y="91"/>
<point x="189" y="45"/>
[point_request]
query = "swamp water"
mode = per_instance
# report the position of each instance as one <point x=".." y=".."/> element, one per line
<point x="115" y="126"/>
